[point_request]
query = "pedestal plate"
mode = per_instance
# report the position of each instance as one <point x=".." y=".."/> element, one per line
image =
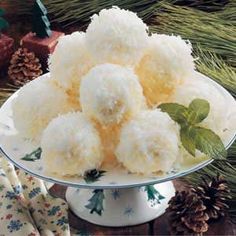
<point x="114" y="197"/>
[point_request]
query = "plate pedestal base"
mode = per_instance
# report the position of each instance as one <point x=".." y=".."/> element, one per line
<point x="120" y="207"/>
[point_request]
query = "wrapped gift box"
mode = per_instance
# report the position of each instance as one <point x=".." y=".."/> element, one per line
<point x="42" y="47"/>
<point x="6" y="49"/>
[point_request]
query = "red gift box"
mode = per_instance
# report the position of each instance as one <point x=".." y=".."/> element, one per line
<point x="6" y="49"/>
<point x="42" y="47"/>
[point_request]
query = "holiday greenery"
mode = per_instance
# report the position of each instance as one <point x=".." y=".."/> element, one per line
<point x="191" y="134"/>
<point x="217" y="36"/>
<point x="3" y="23"/>
<point x="41" y="24"/>
<point x="213" y="66"/>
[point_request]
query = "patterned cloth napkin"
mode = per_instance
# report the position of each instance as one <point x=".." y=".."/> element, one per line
<point x="26" y="208"/>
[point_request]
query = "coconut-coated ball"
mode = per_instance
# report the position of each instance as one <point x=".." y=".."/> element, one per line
<point x="70" y="60"/>
<point x="116" y="36"/>
<point x="36" y="104"/>
<point x="71" y="145"/>
<point x="166" y="63"/>
<point x="109" y="93"/>
<point x="148" y="143"/>
<point x="219" y="118"/>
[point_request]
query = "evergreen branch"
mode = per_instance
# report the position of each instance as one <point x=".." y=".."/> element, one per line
<point x="79" y="12"/>
<point x="228" y="12"/>
<point x="212" y="33"/>
<point x="5" y="93"/>
<point x="204" y="5"/>
<point x="214" y="67"/>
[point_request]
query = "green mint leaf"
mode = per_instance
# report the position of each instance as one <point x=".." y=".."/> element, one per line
<point x="209" y="143"/>
<point x="187" y="136"/>
<point x="198" y="110"/>
<point x="176" y="111"/>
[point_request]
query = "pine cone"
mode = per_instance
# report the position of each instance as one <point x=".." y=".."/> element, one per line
<point x="187" y="214"/>
<point x="25" y="66"/>
<point x="214" y="192"/>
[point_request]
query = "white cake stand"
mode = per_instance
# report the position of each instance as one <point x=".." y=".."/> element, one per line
<point x="105" y="197"/>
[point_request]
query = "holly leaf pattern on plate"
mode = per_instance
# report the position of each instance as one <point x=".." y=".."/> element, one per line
<point x="93" y="175"/>
<point x="33" y="156"/>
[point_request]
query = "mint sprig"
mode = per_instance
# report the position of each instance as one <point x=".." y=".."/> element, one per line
<point x="187" y="138"/>
<point x="193" y="136"/>
<point x="198" y="110"/>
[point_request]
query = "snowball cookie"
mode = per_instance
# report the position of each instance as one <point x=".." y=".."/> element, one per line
<point x="71" y="145"/>
<point x="148" y="143"/>
<point x="37" y="103"/>
<point x="117" y="36"/>
<point x="220" y="111"/>
<point x="70" y="61"/>
<point x="109" y="93"/>
<point x="166" y="63"/>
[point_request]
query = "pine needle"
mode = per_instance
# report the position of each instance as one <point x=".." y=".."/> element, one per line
<point x="79" y="11"/>
<point x="212" y="33"/>
<point x="228" y="12"/>
<point x="214" y="67"/>
<point x="5" y="93"/>
<point x="204" y="5"/>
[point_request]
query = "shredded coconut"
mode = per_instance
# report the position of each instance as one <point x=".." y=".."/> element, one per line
<point x="166" y="63"/>
<point x="36" y="104"/>
<point x="71" y="145"/>
<point x="148" y="143"/>
<point x="109" y="92"/>
<point x="117" y="36"/>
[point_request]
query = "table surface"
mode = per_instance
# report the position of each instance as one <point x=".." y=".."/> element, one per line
<point x="158" y="226"/>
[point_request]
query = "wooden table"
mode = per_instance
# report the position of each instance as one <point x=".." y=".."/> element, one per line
<point x="155" y="227"/>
